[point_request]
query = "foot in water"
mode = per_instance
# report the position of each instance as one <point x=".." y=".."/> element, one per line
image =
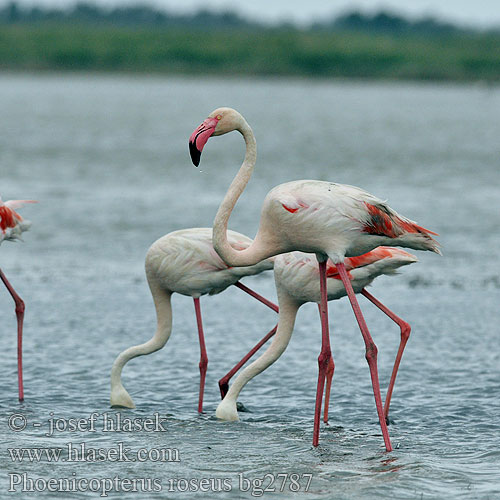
<point x="241" y="407"/>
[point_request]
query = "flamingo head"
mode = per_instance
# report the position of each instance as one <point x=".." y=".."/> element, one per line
<point x="219" y="122"/>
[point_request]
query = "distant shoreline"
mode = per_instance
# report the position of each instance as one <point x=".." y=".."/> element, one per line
<point x="129" y="75"/>
<point x="242" y="53"/>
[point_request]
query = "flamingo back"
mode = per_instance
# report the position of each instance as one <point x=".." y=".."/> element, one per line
<point x="297" y="273"/>
<point x="185" y="262"/>
<point x="337" y="219"/>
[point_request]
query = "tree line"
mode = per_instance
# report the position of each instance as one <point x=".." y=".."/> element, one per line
<point x="146" y="15"/>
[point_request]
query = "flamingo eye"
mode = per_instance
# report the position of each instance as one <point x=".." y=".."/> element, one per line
<point x="218" y="117"/>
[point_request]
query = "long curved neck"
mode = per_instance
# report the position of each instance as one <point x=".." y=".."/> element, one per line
<point x="163" y="305"/>
<point x="288" y="308"/>
<point x="252" y="255"/>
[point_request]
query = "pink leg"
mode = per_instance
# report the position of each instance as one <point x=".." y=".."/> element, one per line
<point x="371" y="351"/>
<point x="328" y="387"/>
<point x="224" y="381"/>
<point x="405" y="335"/>
<point x="203" y="354"/>
<point x="325" y="354"/>
<point x="20" y="318"/>
<point x="255" y="295"/>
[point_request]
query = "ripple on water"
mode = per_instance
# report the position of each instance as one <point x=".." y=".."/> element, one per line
<point x="81" y="275"/>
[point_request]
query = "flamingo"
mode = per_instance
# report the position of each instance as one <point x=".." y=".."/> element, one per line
<point x="185" y="262"/>
<point x="331" y="220"/>
<point x="12" y="225"/>
<point x="296" y="276"/>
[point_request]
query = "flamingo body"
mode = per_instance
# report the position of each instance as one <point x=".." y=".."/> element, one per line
<point x="185" y="262"/>
<point x="337" y="220"/>
<point x="12" y="225"/>
<point x="182" y="262"/>
<point x="297" y="273"/>
<point x="297" y="282"/>
<point x="331" y="220"/>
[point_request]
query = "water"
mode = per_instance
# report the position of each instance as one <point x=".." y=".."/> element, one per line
<point x="107" y="159"/>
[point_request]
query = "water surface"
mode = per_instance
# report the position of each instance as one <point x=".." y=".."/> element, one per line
<point x="107" y="159"/>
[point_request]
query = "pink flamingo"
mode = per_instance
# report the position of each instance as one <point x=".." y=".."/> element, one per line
<point x="331" y="220"/>
<point x="185" y="262"/>
<point x="296" y="275"/>
<point x="12" y="225"/>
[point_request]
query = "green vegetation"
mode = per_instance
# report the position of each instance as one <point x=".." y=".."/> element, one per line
<point x="249" y="52"/>
<point x="140" y="39"/>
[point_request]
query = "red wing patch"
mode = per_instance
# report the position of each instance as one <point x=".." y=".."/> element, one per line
<point x="292" y="210"/>
<point x="411" y="227"/>
<point x="333" y="272"/>
<point x="382" y="223"/>
<point x="360" y="261"/>
<point x="8" y="218"/>
<point x="368" y="258"/>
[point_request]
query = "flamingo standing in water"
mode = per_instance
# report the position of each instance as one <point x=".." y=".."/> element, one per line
<point x="331" y="220"/>
<point x="12" y="225"/>
<point x="296" y="275"/>
<point x="185" y="262"/>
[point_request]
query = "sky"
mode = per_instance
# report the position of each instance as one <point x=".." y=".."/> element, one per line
<point x="469" y="12"/>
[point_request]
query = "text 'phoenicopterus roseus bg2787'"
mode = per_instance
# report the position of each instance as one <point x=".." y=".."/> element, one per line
<point x="185" y="262"/>
<point x="12" y="225"/>
<point x="296" y="275"/>
<point x="331" y="220"/>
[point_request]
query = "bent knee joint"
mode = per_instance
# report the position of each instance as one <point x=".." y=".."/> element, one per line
<point x="371" y="352"/>
<point x="20" y="307"/>
<point x="324" y="357"/>
<point x="405" y="331"/>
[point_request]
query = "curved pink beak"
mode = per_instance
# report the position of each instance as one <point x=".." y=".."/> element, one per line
<point x="200" y="137"/>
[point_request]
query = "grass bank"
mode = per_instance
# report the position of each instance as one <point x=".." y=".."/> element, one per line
<point x="259" y="52"/>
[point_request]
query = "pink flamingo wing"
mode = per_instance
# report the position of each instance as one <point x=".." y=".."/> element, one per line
<point x="16" y="204"/>
<point x="383" y="222"/>
<point x="366" y="259"/>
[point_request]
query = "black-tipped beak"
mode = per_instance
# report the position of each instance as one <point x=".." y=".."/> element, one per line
<point x="195" y="153"/>
<point x="200" y="137"/>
